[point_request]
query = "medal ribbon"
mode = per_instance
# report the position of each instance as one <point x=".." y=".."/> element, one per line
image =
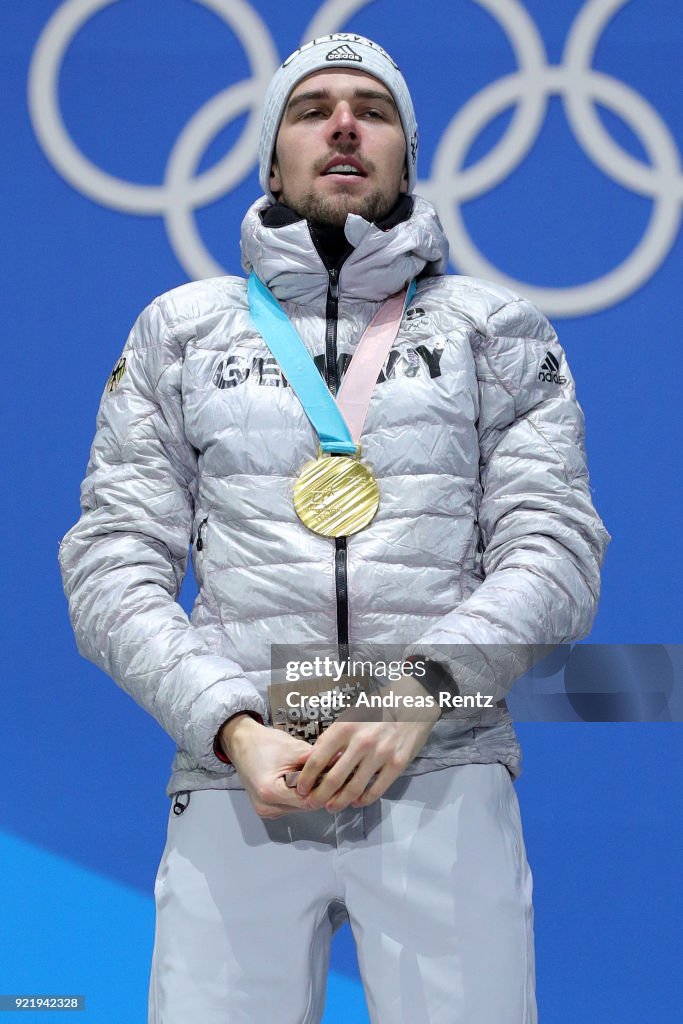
<point x="338" y="423"/>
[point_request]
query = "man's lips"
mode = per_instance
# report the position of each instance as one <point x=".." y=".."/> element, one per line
<point x="345" y="161"/>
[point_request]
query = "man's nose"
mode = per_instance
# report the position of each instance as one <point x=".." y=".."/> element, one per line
<point x="343" y="125"/>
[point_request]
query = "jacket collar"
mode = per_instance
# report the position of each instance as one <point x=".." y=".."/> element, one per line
<point x="381" y="263"/>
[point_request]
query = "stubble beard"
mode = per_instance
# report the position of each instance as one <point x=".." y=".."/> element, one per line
<point x="333" y="210"/>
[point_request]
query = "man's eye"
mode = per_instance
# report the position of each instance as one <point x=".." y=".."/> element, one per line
<point x="309" y="114"/>
<point x="374" y="114"/>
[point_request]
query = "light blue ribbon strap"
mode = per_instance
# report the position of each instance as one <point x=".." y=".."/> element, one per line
<point x="280" y="336"/>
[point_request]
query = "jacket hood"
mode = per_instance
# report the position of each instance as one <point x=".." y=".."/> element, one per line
<point x="382" y="262"/>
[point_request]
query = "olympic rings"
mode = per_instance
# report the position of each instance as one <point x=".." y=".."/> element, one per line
<point x="580" y="86"/>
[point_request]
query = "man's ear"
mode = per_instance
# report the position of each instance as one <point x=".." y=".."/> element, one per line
<point x="404" y="179"/>
<point x="275" y="179"/>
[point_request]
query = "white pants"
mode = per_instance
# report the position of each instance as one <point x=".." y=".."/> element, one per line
<point x="433" y="879"/>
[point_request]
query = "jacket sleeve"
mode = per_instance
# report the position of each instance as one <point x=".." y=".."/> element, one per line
<point x="542" y="542"/>
<point x="125" y="559"/>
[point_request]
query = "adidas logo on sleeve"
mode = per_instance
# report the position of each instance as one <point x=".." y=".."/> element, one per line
<point x="548" y="371"/>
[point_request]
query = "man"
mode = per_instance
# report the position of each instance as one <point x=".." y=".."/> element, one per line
<point x="484" y="540"/>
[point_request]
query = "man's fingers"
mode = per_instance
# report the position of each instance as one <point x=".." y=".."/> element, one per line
<point x="322" y="756"/>
<point x="350" y="749"/>
<point x="275" y="799"/>
<point x="334" y="744"/>
<point x="334" y="780"/>
<point x="378" y="788"/>
<point x="354" y="788"/>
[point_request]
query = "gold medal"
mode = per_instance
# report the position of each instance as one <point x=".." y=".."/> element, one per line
<point x="336" y="495"/>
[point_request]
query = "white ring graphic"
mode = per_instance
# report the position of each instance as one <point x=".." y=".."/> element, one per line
<point x="580" y="87"/>
<point x="179" y="194"/>
<point x="450" y="185"/>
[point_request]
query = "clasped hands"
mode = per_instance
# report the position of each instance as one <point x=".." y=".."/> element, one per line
<point x="351" y="764"/>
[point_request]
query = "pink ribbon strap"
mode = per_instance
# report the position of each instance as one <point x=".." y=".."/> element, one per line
<point x="353" y="398"/>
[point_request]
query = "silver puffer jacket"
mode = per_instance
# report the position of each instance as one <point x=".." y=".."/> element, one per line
<point x="485" y="534"/>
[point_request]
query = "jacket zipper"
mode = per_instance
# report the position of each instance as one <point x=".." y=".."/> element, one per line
<point x="341" y="583"/>
<point x="331" y="320"/>
<point x="332" y="380"/>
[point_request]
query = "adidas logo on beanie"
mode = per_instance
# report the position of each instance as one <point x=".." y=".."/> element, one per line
<point x="343" y="53"/>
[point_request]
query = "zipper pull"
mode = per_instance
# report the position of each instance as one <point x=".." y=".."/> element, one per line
<point x="334" y="283"/>
<point x="181" y="803"/>
<point x="200" y="543"/>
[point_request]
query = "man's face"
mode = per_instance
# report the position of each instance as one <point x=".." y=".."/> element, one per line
<point x="340" y="149"/>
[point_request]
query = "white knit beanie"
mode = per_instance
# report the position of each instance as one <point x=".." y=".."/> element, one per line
<point x="342" y="49"/>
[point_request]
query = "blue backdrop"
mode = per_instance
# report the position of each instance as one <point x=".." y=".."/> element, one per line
<point x="550" y="142"/>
